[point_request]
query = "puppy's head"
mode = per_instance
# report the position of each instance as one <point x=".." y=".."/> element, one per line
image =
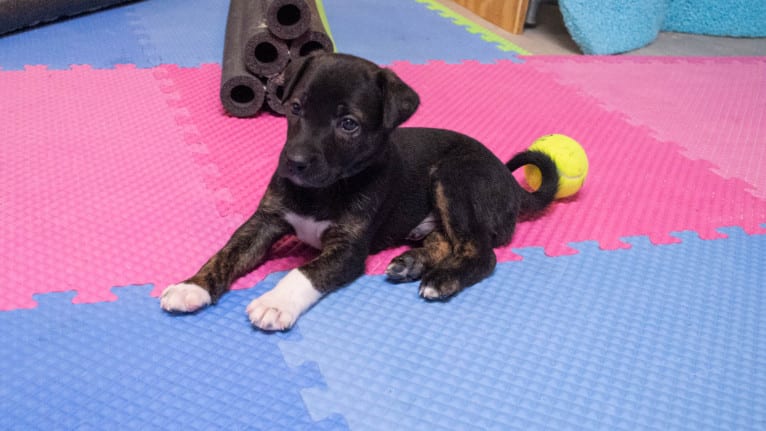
<point x="340" y="110"/>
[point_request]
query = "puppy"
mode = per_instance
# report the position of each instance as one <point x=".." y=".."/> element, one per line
<point x="350" y="183"/>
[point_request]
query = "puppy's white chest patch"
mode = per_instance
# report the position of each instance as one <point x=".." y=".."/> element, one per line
<point x="308" y="229"/>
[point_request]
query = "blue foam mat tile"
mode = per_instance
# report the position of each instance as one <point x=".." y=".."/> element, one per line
<point x="651" y="337"/>
<point x="147" y="33"/>
<point x="101" y="39"/>
<point x="128" y="365"/>
<point x="404" y="30"/>
<point x="189" y="33"/>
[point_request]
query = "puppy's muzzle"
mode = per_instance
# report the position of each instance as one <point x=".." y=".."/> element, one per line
<point x="303" y="168"/>
<point x="298" y="165"/>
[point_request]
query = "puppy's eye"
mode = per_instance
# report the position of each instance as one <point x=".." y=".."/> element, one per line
<point x="296" y="108"/>
<point x="349" y="125"/>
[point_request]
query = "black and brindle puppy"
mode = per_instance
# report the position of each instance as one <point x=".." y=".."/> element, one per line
<point x="351" y="183"/>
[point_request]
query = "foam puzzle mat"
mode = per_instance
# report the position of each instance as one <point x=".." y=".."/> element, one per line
<point x="637" y="304"/>
<point x="126" y="365"/>
<point x="563" y="344"/>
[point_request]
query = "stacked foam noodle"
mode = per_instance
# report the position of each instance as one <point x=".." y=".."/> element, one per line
<point x="262" y="37"/>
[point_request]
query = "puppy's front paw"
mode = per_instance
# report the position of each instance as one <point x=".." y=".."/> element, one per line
<point x="270" y="315"/>
<point x="184" y="298"/>
<point x="279" y="308"/>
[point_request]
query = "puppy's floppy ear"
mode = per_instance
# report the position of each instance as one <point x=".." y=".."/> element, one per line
<point x="400" y="101"/>
<point x="293" y="74"/>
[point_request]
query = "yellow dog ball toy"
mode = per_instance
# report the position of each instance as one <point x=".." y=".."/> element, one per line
<point x="570" y="159"/>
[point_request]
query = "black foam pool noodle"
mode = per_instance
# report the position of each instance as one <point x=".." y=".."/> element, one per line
<point x="310" y="42"/>
<point x="288" y="19"/>
<point x="316" y="38"/>
<point x="274" y="89"/>
<point x="265" y="54"/>
<point x="19" y="14"/>
<point x="242" y="94"/>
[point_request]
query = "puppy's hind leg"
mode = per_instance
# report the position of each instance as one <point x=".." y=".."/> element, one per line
<point x="464" y="211"/>
<point x="467" y="265"/>
<point x="410" y="265"/>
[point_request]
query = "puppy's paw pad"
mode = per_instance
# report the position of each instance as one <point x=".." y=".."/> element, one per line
<point x="184" y="298"/>
<point x="269" y="316"/>
<point x="404" y="268"/>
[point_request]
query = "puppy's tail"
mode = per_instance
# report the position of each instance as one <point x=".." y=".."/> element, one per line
<point x="543" y="196"/>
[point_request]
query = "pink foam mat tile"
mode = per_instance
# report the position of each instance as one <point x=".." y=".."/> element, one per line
<point x="137" y="176"/>
<point x="98" y="187"/>
<point x="714" y="108"/>
<point x="237" y="156"/>
<point x="638" y="184"/>
<point x="129" y="176"/>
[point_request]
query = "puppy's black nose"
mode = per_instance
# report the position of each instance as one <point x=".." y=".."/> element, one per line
<point x="298" y="164"/>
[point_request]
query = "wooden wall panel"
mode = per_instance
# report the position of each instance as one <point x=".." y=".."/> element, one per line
<point x="508" y="14"/>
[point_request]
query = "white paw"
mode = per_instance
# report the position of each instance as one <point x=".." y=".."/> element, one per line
<point x="184" y="298"/>
<point x="430" y="293"/>
<point x="279" y="308"/>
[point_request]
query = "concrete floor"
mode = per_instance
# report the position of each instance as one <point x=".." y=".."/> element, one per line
<point x="550" y="37"/>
